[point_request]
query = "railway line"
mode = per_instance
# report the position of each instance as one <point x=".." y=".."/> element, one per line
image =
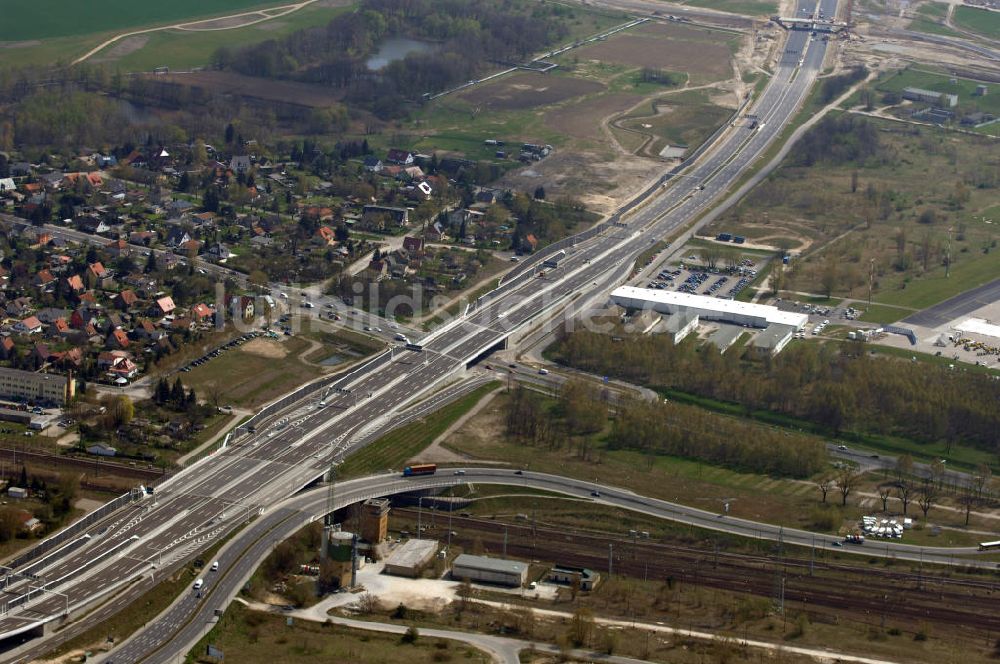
<point x="859" y="593"/>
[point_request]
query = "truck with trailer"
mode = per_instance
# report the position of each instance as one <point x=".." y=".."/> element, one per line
<point x="552" y="261"/>
<point x="420" y="469"/>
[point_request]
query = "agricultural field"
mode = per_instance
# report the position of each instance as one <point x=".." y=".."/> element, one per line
<point x="70" y="36"/>
<point x="897" y="209"/>
<point x="980" y="21"/>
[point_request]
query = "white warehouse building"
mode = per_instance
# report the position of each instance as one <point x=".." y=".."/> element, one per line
<point x="707" y="308"/>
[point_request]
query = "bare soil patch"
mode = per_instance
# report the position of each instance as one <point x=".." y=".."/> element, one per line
<point x="122" y="48"/>
<point x="529" y="90"/>
<point x="20" y="44"/>
<point x="302" y="94"/>
<point x="223" y="23"/>
<point x="265" y="348"/>
<point x="584" y="120"/>
<point x="703" y="58"/>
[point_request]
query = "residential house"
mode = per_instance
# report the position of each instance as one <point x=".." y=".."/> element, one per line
<point x="92" y="225"/>
<point x="177" y="236"/>
<point x="373" y="164"/>
<point x="413" y="245"/>
<point x="75" y="283"/>
<point x="400" y="157"/>
<point x="44" y="279"/>
<point x="399" y="215"/>
<point x="435" y="232"/>
<point x="377" y="270"/>
<point x="60" y="327"/>
<point x="142" y="237"/>
<point x="325" y="235"/>
<point x="164" y="306"/>
<point x="240" y="164"/>
<point x="201" y="312"/>
<point x="219" y="252"/>
<point x="126" y="300"/>
<point x="7" y="348"/>
<point x="29" y="325"/>
<point x="40" y="353"/>
<point x="190" y="248"/>
<point x="241" y="306"/>
<point x="118" y="339"/>
<point x="176" y="209"/>
<point x="98" y="272"/>
<point x="118" y="248"/>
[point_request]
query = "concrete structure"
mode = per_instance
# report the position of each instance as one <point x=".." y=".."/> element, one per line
<point x="980" y="328"/>
<point x="31" y="386"/>
<point x="375" y="520"/>
<point x="410" y="558"/>
<point x="772" y="340"/>
<point x="707" y="308"/>
<point x="489" y="570"/>
<point x="339" y="551"/>
<point x="565" y="575"/>
<point x="930" y="97"/>
<point x="680" y="325"/>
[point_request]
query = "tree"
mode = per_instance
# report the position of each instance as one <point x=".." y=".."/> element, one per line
<point x="904" y="488"/>
<point x="828" y="276"/>
<point x="854" y="181"/>
<point x="884" y="494"/>
<point x="151" y="265"/>
<point x="926" y="497"/>
<point x="824" y="485"/>
<point x="540" y="193"/>
<point x="411" y="635"/>
<point x="904" y="466"/>
<point x="581" y="627"/>
<point x="847" y="480"/>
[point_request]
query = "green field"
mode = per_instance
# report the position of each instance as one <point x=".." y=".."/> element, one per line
<point x="748" y="7"/>
<point x="980" y="21"/>
<point x="183" y="49"/>
<point x="44" y="19"/>
<point x="930" y="80"/>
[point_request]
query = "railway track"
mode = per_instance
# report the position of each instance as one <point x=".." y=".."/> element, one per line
<point x="860" y="593"/>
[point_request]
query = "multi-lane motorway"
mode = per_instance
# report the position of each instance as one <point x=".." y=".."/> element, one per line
<point x="197" y="506"/>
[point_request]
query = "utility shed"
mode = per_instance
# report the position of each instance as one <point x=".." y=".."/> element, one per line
<point x="489" y="570"/>
<point x="410" y="558"/>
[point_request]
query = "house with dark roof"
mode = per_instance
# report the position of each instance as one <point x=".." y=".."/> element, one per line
<point x="400" y="157"/>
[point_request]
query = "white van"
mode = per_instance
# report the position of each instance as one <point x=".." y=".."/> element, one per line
<point x="215" y="566"/>
<point x="198" y="584"/>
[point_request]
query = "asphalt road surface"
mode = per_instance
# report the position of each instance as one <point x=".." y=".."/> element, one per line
<point x="213" y="497"/>
<point x="955" y="307"/>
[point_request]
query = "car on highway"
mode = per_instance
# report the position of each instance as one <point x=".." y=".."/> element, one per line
<point x="595" y="494"/>
<point x="459" y="472"/>
<point x="283" y="295"/>
<point x="543" y="372"/>
<point x="199" y="583"/>
<point x="215" y="566"/>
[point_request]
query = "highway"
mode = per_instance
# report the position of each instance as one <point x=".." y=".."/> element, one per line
<point x="175" y="631"/>
<point x="192" y="509"/>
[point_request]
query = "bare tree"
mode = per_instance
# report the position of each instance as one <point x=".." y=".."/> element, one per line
<point x="938" y="471"/>
<point x="824" y="485"/>
<point x="904" y="489"/>
<point x="968" y="499"/>
<point x="982" y="479"/>
<point x="884" y="494"/>
<point x="926" y="497"/>
<point x="847" y="480"/>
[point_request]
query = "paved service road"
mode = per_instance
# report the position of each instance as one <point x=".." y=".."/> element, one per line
<point x="213" y="497"/>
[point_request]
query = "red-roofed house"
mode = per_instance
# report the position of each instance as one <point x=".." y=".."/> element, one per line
<point x="29" y="325"/>
<point x="165" y="305"/>
<point x="7" y="348"/>
<point x="201" y="312"/>
<point x="76" y="283"/>
<point x="413" y="245"/>
<point x="118" y="339"/>
<point x="325" y="235"/>
<point x="97" y="270"/>
<point x="126" y="300"/>
<point x="44" y="278"/>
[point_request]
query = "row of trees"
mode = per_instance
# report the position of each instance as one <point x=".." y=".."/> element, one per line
<point x="656" y="428"/>
<point x="840" y="388"/>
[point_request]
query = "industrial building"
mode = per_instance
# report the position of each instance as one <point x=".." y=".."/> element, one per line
<point x="725" y="337"/>
<point x="772" y="340"/>
<point x="411" y="558"/>
<point x="36" y="387"/>
<point x="707" y="308"/>
<point x="565" y="575"/>
<point x="680" y="325"/>
<point x="930" y="97"/>
<point x="489" y="570"/>
<point x="375" y="520"/>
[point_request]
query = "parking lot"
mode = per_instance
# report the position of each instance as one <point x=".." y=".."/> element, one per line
<point x="233" y="343"/>
<point x="697" y="279"/>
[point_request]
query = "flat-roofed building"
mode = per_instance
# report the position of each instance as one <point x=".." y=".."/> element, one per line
<point x="36" y="387"/>
<point x="725" y="337"/>
<point x="680" y="325"/>
<point x="566" y="575"/>
<point x="489" y="570"/>
<point x="411" y="557"/>
<point x="706" y="308"/>
<point x="930" y="97"/>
